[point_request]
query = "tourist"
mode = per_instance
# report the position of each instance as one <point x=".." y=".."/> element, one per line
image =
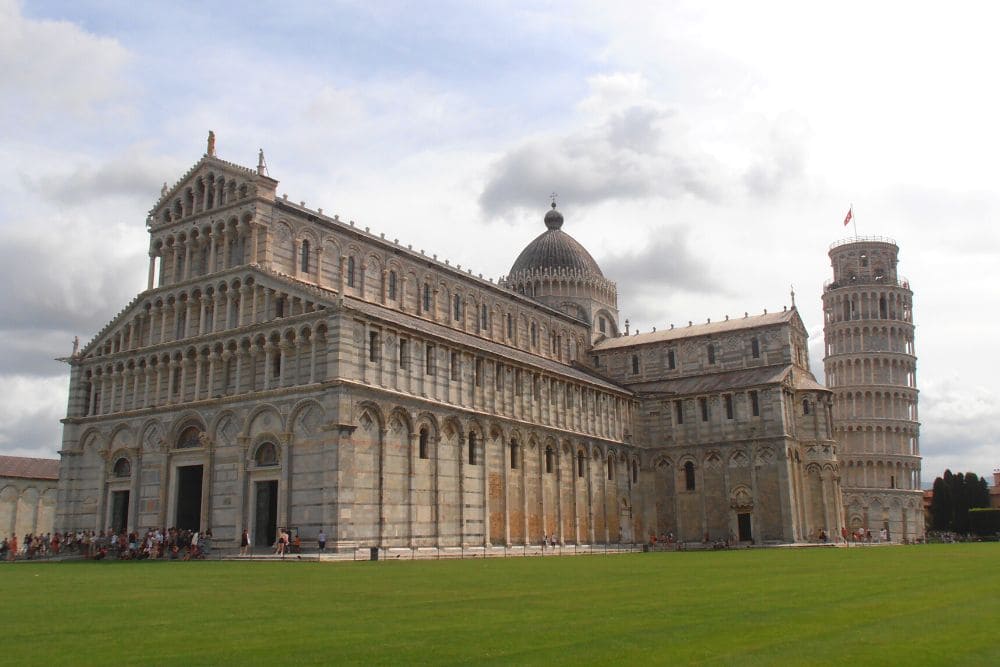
<point x="244" y="543"/>
<point x="321" y="540"/>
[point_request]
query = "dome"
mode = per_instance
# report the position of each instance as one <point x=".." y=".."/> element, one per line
<point x="554" y="249"/>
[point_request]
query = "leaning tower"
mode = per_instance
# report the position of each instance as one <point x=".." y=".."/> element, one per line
<point x="871" y="367"/>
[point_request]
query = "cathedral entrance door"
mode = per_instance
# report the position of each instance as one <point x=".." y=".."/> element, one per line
<point x="265" y="513"/>
<point x="743" y="519"/>
<point x="119" y="511"/>
<point x="189" y="497"/>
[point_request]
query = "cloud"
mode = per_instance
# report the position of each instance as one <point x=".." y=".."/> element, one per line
<point x="132" y="173"/>
<point x="639" y="152"/>
<point x="958" y="427"/>
<point x="632" y="146"/>
<point x="30" y="414"/>
<point x="779" y="162"/>
<point x="77" y="283"/>
<point x="665" y="262"/>
<point x="54" y="68"/>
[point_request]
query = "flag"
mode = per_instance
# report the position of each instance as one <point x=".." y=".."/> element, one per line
<point x="850" y="214"/>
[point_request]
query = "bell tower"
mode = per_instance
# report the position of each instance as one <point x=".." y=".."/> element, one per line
<point x="870" y="364"/>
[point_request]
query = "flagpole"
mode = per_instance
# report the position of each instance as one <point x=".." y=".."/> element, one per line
<point x="854" y="220"/>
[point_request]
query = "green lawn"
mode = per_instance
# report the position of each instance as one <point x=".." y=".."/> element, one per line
<point x="918" y="605"/>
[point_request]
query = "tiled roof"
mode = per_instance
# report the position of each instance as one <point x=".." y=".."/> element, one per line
<point x="729" y="380"/>
<point x="708" y="328"/>
<point x="29" y="468"/>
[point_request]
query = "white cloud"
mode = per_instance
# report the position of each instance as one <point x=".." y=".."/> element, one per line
<point x="53" y="68"/>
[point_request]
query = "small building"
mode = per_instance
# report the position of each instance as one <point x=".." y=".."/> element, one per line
<point x="995" y="490"/>
<point x="27" y="495"/>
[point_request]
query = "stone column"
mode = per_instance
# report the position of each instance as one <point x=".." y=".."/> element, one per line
<point x="436" y="490"/>
<point x="267" y="365"/>
<point x="197" y="376"/>
<point x="114" y="386"/>
<point x="145" y="390"/>
<point x="187" y="259"/>
<point x="152" y="271"/>
<point x="213" y="250"/>
<point x="312" y="358"/>
<point x="319" y="265"/>
<point x="133" y="492"/>
<point x="410" y="514"/>
<point x="242" y="491"/>
<point x="239" y="363"/>
<point x="213" y="356"/>
<point x="284" y="350"/>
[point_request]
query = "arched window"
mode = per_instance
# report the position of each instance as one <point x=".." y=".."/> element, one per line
<point x="305" y="257"/>
<point x="266" y="455"/>
<point x="755" y="348"/>
<point x="484" y="318"/>
<point x="423" y="443"/>
<point x="635" y="471"/>
<point x="457" y="308"/>
<point x="427" y="297"/>
<point x="472" y="448"/>
<point x="123" y="468"/>
<point x="689" y="476"/>
<point x="392" y="285"/>
<point x="189" y="437"/>
<point x="580" y="464"/>
<point x="711" y="353"/>
<point x="350" y="272"/>
<point x="513" y="454"/>
<point x="805" y="406"/>
<point x="550" y="457"/>
<point x="611" y="466"/>
<point x="635" y="364"/>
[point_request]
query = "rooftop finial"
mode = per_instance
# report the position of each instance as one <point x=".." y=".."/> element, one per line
<point x="211" y="144"/>
<point x="261" y="164"/>
<point x="793" y="296"/>
<point x="553" y="219"/>
<point x="163" y="190"/>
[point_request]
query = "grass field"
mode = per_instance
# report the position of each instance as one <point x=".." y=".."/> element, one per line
<point x="918" y="605"/>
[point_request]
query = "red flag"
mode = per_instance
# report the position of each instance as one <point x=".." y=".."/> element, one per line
<point x="850" y="214"/>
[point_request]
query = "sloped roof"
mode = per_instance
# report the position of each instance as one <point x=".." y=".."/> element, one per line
<point x="730" y="380"/>
<point x="722" y="326"/>
<point x="29" y="468"/>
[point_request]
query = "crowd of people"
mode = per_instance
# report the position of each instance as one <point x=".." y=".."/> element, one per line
<point x="154" y="544"/>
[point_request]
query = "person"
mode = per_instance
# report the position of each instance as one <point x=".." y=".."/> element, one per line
<point x="843" y="533"/>
<point x="321" y="540"/>
<point x="244" y="542"/>
<point x="883" y="535"/>
<point x="12" y="548"/>
<point x="279" y="547"/>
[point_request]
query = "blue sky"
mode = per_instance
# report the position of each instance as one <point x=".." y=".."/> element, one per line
<point x="704" y="153"/>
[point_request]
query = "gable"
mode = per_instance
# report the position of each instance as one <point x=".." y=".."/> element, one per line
<point x="209" y="185"/>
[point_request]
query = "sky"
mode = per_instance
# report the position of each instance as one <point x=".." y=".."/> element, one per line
<point x="705" y="153"/>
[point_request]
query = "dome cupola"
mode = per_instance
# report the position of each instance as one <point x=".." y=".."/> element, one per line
<point x="555" y="250"/>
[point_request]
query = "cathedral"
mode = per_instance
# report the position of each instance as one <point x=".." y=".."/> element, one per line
<point x="285" y="368"/>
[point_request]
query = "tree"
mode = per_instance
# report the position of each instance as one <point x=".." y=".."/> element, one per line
<point x="941" y="504"/>
<point x="954" y="495"/>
